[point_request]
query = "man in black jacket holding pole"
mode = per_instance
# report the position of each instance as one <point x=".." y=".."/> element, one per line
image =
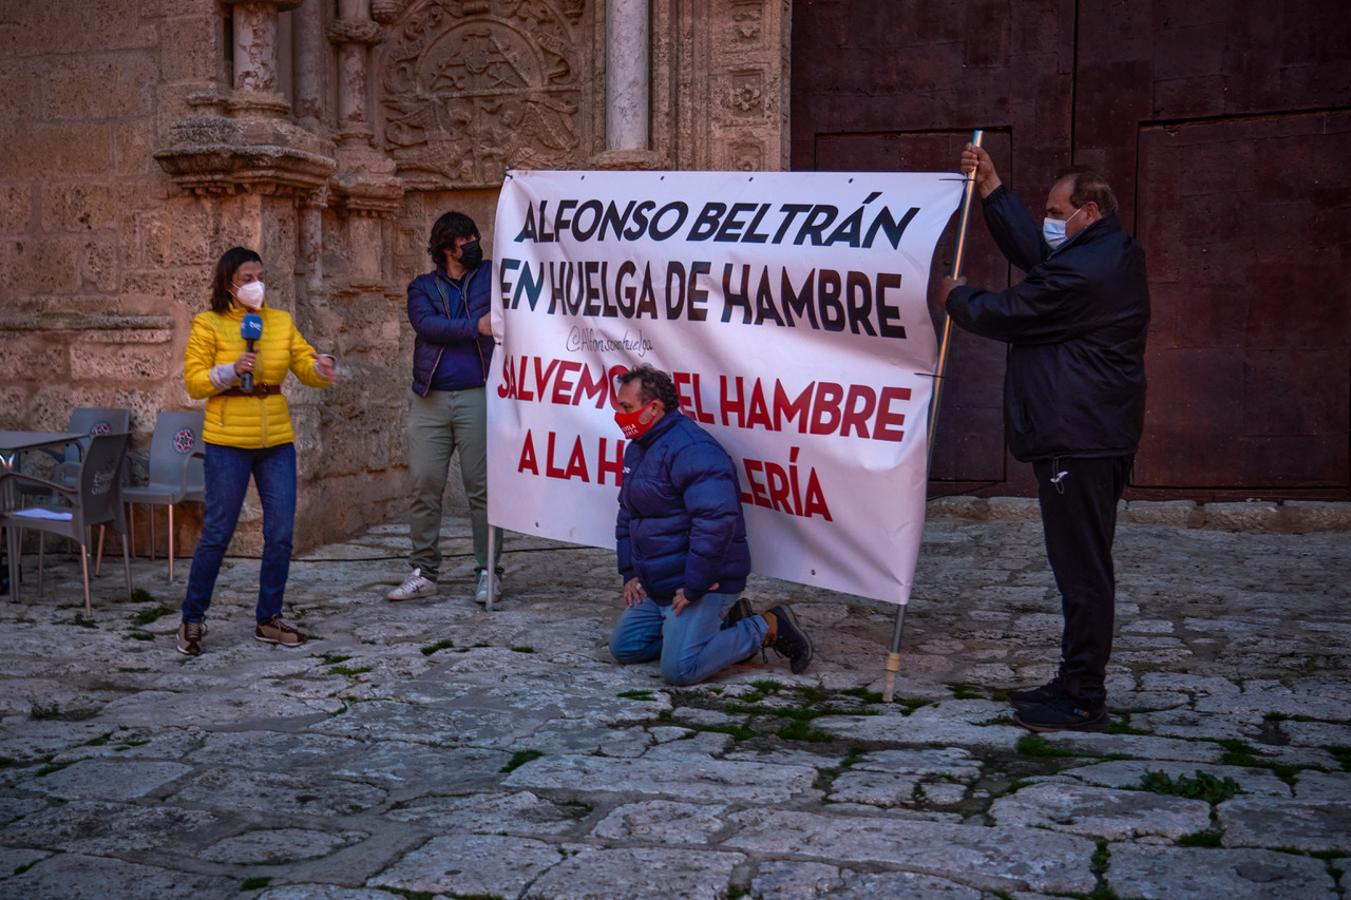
<point x="1074" y="399"/>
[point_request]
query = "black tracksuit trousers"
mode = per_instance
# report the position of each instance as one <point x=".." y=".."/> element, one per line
<point x="1078" y="514"/>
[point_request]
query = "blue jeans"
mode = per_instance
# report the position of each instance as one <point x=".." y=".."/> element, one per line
<point x="227" y="478"/>
<point x="692" y="645"/>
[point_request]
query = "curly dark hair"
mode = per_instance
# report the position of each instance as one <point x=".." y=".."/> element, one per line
<point x="224" y="276"/>
<point x="446" y="230"/>
<point x="653" y="384"/>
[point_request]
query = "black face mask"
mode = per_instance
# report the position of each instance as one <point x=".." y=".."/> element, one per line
<point x="471" y="255"/>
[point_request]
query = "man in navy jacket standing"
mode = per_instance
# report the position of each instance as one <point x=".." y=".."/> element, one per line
<point x="1074" y="399"/>
<point x="452" y="349"/>
<point x="682" y="546"/>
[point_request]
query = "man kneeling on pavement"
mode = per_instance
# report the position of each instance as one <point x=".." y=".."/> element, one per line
<point x="682" y="546"/>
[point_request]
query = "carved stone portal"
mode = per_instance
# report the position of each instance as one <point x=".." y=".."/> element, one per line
<point x="472" y="86"/>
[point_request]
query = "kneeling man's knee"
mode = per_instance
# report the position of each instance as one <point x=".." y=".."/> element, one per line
<point x="624" y="652"/>
<point x="678" y="675"/>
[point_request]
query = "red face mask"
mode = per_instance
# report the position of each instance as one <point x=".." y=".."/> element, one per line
<point x="630" y="424"/>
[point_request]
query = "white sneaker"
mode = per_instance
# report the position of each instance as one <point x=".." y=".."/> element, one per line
<point x="414" y="586"/>
<point x="481" y="593"/>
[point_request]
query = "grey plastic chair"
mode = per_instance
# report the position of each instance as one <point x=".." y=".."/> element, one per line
<point x="95" y="499"/>
<point x="176" y="472"/>
<point x="86" y="420"/>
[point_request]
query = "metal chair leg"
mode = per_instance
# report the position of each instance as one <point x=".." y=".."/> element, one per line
<point x="171" y="543"/>
<point x="98" y="558"/>
<point x="131" y="526"/>
<point x="126" y="561"/>
<point x="84" y="570"/>
<point x="11" y="547"/>
<point x="18" y="561"/>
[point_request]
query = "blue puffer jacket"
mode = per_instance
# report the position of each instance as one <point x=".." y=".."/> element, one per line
<point x="680" y="522"/>
<point x="448" y="352"/>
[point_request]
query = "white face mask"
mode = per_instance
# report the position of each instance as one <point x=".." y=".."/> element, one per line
<point x="1053" y="230"/>
<point x="250" y="295"/>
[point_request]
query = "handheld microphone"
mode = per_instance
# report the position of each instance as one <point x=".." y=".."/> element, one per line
<point x="251" y="329"/>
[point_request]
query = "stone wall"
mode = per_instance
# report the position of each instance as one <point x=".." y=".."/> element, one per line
<point x="145" y="137"/>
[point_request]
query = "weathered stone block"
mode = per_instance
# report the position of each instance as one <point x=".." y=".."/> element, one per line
<point x="1170" y="513"/>
<point x="998" y="858"/>
<point x="522" y="813"/>
<point x="703" y="779"/>
<point x="16" y="90"/>
<point x="177" y="234"/>
<point x="1251" y="515"/>
<point x="69" y="148"/>
<point x="134" y="145"/>
<point x="86" y="25"/>
<point x="1126" y="773"/>
<point x="83" y="206"/>
<point x="465" y="865"/>
<point x="69" y="875"/>
<point x="190" y="47"/>
<point x="100" y="266"/>
<point x="662" y="821"/>
<point x="50" y="405"/>
<point x="637" y="873"/>
<point x="119" y="362"/>
<point x="1013" y="509"/>
<point x="959" y="507"/>
<point x="102" y="86"/>
<point x="1138" y="745"/>
<point x="278" y="845"/>
<point x="187" y="290"/>
<point x="32" y="355"/>
<point x="1136" y="871"/>
<point x="105" y="829"/>
<point x="46" y="265"/>
<point x="100" y="779"/>
<point x="1100" y="812"/>
<point x="1311" y="826"/>
<point x="1315" y="515"/>
<point x="16" y="209"/>
<point x="874" y="788"/>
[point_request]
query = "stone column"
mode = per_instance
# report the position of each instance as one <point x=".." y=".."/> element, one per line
<point x="310" y="237"/>
<point x="353" y="33"/>
<point x="627" y="83"/>
<point x="366" y="189"/>
<point x="628" y="88"/>
<point x="309" y="64"/>
<point x="255" y="57"/>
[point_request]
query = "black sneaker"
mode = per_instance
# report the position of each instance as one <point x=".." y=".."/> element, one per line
<point x="1062" y="714"/>
<point x="740" y="610"/>
<point x="791" y="642"/>
<point x="1051" y="690"/>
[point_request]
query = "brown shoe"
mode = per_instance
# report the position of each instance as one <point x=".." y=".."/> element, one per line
<point x="190" y="636"/>
<point x="276" y="631"/>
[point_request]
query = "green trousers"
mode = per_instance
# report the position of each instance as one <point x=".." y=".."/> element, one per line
<point x="438" y="425"/>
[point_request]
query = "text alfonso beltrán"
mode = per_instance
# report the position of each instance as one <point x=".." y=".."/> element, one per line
<point x="789" y="296"/>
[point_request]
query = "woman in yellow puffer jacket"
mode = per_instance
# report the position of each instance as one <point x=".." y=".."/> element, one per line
<point x="247" y="434"/>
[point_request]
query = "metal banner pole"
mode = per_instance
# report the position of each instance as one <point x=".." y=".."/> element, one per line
<point x="894" y="656"/>
<point x="492" y="567"/>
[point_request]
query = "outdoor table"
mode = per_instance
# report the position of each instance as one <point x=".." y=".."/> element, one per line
<point x="12" y="443"/>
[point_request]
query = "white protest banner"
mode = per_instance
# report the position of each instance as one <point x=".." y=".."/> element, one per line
<point x="790" y="309"/>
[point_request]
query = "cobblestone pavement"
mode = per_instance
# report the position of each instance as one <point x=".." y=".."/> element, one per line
<point x="429" y="748"/>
